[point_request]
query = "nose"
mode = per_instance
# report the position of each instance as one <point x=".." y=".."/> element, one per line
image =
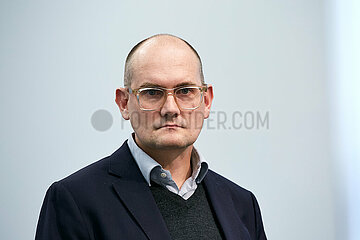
<point x="170" y="108"/>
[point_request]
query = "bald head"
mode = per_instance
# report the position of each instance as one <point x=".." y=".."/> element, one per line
<point x="154" y="45"/>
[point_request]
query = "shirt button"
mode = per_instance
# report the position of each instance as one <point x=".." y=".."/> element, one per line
<point x="163" y="175"/>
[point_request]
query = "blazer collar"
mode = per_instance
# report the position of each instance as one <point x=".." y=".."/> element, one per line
<point x="123" y="165"/>
<point x="135" y="194"/>
<point x="223" y="205"/>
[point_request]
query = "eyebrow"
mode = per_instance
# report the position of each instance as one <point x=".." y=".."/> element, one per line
<point x="149" y="84"/>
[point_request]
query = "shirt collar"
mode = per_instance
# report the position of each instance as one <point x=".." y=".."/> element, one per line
<point x="147" y="164"/>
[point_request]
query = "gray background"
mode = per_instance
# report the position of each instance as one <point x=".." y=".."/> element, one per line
<point x="61" y="61"/>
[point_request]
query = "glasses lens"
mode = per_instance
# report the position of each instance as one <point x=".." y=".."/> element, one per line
<point x="151" y="98"/>
<point x="188" y="97"/>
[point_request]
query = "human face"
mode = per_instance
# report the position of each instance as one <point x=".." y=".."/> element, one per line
<point x="169" y="127"/>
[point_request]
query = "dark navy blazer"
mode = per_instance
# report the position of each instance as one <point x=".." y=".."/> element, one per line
<point x="111" y="200"/>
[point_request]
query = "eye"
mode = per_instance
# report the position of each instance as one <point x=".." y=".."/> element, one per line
<point x="152" y="92"/>
<point x="184" y="91"/>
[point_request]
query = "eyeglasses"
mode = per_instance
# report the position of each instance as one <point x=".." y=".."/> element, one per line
<point x="153" y="98"/>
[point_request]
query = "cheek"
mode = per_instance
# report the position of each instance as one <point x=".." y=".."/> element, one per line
<point x="196" y="120"/>
<point x="135" y="114"/>
<point x="135" y="120"/>
<point x="141" y="120"/>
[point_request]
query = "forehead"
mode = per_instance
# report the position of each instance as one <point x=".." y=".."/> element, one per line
<point x="165" y="64"/>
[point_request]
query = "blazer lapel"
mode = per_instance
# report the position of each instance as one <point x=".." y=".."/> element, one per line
<point x="222" y="204"/>
<point x="135" y="194"/>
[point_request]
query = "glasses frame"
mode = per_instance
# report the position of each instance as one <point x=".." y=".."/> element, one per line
<point x="168" y="91"/>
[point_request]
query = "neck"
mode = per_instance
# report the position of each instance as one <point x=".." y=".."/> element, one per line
<point x="177" y="161"/>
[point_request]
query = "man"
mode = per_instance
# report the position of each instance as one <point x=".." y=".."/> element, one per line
<point x="156" y="185"/>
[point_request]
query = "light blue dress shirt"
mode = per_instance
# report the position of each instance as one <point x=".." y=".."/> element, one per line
<point x="153" y="171"/>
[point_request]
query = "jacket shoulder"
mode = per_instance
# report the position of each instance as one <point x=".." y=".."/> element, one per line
<point x="236" y="192"/>
<point x="86" y="173"/>
<point x="226" y="182"/>
<point x="100" y="168"/>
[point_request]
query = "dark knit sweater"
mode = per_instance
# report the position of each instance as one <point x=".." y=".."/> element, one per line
<point x="187" y="219"/>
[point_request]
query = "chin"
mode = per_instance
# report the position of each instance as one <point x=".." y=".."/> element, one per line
<point x="171" y="141"/>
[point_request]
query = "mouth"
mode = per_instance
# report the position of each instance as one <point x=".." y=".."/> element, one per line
<point x="171" y="126"/>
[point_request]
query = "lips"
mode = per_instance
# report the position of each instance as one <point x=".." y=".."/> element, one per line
<point x="170" y="126"/>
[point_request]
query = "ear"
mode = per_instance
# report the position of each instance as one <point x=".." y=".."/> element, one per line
<point x="121" y="99"/>
<point x="208" y="98"/>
